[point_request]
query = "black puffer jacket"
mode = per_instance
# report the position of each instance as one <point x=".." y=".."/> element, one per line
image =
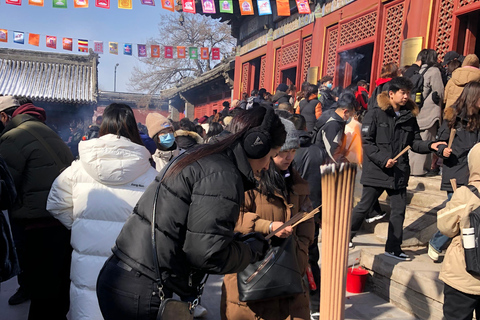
<point x="384" y="135"/>
<point x="196" y="214"/>
<point x="326" y="98"/>
<point x="31" y="165"/>
<point x="456" y="166"/>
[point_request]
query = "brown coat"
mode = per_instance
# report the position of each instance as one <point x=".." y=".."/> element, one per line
<point x="455" y="85"/>
<point x="257" y="215"/>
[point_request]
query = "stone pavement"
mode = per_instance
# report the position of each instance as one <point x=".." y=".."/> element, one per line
<point x="364" y="306"/>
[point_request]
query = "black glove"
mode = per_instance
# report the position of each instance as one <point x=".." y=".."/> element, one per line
<point x="435" y="97"/>
<point x="258" y="245"/>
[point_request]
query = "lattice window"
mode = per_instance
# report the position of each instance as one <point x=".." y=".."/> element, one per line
<point x="444" y="27"/>
<point x="307" y="55"/>
<point x="245" y="68"/>
<point x="463" y="3"/>
<point x="391" y="52"/>
<point x="278" y="65"/>
<point x="290" y="53"/>
<point x="332" y="51"/>
<point x="358" y="29"/>
<point x="263" y="66"/>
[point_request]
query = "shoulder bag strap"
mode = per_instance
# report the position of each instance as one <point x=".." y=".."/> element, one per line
<point x="47" y="147"/>
<point x="474" y="190"/>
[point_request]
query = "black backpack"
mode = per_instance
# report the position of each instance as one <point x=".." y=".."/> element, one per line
<point x="417" y="92"/>
<point x="472" y="256"/>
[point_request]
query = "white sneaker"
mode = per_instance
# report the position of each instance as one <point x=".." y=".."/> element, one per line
<point x="315" y="316"/>
<point x="432" y="253"/>
<point x="351" y="245"/>
<point x="199" y="312"/>
<point x="377" y="217"/>
<point x="400" y="255"/>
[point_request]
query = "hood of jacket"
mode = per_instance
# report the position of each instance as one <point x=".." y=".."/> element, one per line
<point x="381" y="81"/>
<point x="383" y="101"/>
<point x="305" y="138"/>
<point x="474" y="164"/>
<point x="113" y="160"/>
<point x="278" y="95"/>
<point x="184" y="133"/>
<point x="464" y="75"/>
<point x="32" y="110"/>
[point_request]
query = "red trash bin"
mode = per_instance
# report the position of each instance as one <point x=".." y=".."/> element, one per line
<point x="356" y="278"/>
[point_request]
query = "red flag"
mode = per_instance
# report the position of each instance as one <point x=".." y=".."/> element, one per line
<point x="67" y="44"/>
<point x="204" y="53"/>
<point x="283" y="8"/>
<point x="15" y="2"/>
<point x="215" y="53"/>
<point x="168" y="5"/>
<point x="189" y="6"/>
<point x="51" y="42"/>
<point x="155" y="51"/>
<point x="303" y="7"/>
<point x="168" y="52"/>
<point x="105" y="4"/>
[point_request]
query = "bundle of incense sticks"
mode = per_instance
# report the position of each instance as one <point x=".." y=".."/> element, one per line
<point x="338" y="182"/>
<point x="295" y="220"/>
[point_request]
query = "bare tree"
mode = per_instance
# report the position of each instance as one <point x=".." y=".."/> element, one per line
<point x="189" y="30"/>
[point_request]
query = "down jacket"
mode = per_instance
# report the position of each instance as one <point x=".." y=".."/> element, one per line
<point x="93" y="198"/>
<point x="257" y="214"/>
<point x="384" y="135"/>
<point x="451" y="220"/>
<point x="455" y="85"/>
<point x="196" y="214"/>
<point x="31" y="165"/>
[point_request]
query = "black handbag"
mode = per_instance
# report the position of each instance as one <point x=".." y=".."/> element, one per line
<point x="277" y="275"/>
<point x="170" y="309"/>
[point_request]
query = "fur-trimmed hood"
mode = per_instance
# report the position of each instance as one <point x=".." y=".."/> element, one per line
<point x="191" y="134"/>
<point x="384" y="103"/>
<point x="449" y="114"/>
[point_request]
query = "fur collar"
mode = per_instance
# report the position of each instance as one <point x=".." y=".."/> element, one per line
<point x="191" y="134"/>
<point x="449" y="114"/>
<point x="383" y="101"/>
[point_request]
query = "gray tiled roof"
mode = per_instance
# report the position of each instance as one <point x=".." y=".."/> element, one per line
<point x="48" y="76"/>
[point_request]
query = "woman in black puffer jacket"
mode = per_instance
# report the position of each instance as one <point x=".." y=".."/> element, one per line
<point x="198" y="204"/>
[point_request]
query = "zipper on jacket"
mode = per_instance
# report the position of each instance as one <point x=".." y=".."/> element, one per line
<point x="190" y="281"/>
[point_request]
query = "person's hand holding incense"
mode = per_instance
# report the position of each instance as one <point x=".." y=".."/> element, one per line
<point x="282" y="233"/>
<point x="390" y="163"/>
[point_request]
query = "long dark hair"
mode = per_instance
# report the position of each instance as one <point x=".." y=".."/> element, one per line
<point x="213" y="129"/>
<point x="272" y="182"/>
<point x="466" y="107"/>
<point x="118" y="119"/>
<point x="240" y="124"/>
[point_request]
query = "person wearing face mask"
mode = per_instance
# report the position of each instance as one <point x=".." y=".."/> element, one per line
<point x="325" y="95"/>
<point x="329" y="131"/>
<point x="161" y="131"/>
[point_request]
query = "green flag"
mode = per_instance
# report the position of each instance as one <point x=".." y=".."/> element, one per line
<point x="60" y="4"/>
<point x="226" y="6"/>
<point x="193" y="52"/>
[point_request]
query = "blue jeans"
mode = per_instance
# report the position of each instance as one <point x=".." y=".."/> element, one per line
<point x="439" y="241"/>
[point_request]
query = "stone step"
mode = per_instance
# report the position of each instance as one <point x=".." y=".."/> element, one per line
<point x="410" y="285"/>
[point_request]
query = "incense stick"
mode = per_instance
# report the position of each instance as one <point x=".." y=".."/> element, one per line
<point x="307" y="216"/>
<point x="454" y="184"/>
<point x="402" y="152"/>
<point x="293" y="220"/>
<point x="452" y="136"/>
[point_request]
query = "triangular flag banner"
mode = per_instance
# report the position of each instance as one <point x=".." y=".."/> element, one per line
<point x="82" y="45"/>
<point x="80" y="3"/>
<point x="142" y="50"/>
<point x="3" y="35"/>
<point x="62" y="4"/>
<point x="155" y="51"/>
<point x="127" y="49"/>
<point x="168" y="52"/>
<point x="38" y="3"/>
<point x="168" y="5"/>
<point x="181" y="53"/>
<point x="148" y="2"/>
<point x="18" y="37"/>
<point x="215" y="53"/>
<point x="246" y="7"/>
<point x="51" y="42"/>
<point x="188" y="6"/>
<point x="283" y="8"/>
<point x="264" y="7"/>
<point x="193" y="52"/>
<point x="125" y="4"/>
<point x="98" y="47"/>
<point x="303" y="7"/>
<point x="226" y="6"/>
<point x="113" y="47"/>
<point x="204" y="53"/>
<point x="208" y="6"/>
<point x="105" y="4"/>
<point x="15" y="2"/>
<point x="34" y="39"/>
<point x="67" y="44"/>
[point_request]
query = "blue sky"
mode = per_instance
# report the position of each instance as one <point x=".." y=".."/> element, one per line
<point x="116" y="25"/>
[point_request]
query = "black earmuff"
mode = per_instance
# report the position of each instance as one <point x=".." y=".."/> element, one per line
<point x="257" y="141"/>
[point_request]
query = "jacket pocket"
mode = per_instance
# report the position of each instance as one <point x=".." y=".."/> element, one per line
<point x="383" y="133"/>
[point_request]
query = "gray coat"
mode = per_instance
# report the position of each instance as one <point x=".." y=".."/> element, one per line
<point x="431" y="112"/>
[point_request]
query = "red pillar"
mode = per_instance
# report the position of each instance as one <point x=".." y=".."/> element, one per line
<point x="269" y="63"/>
<point x="237" y="77"/>
<point x="317" y="46"/>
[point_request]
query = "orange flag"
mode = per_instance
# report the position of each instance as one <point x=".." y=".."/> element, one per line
<point x="181" y="53"/>
<point x="168" y="5"/>
<point x="303" y="7"/>
<point x="3" y="35"/>
<point x="38" y="3"/>
<point x="34" y="39"/>
<point x="204" y="53"/>
<point x="80" y="3"/>
<point x="246" y="7"/>
<point x="283" y="8"/>
<point x="155" y="51"/>
<point x="125" y="4"/>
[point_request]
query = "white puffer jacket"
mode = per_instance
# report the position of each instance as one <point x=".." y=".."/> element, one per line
<point x="94" y="197"/>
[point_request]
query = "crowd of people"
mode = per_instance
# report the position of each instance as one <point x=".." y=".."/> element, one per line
<point x="130" y="215"/>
